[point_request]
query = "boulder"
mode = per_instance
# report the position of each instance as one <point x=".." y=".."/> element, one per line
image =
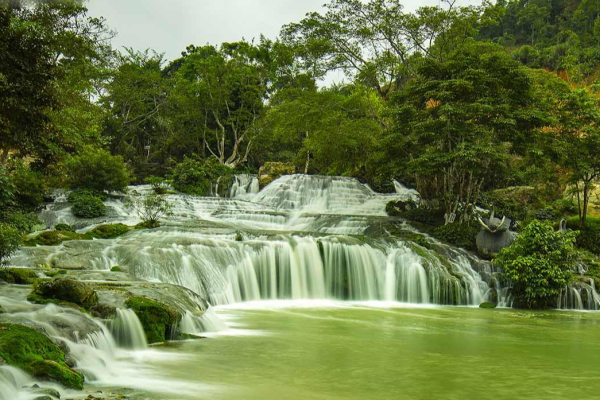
<point x="487" y="305"/>
<point x="67" y="290"/>
<point x="36" y="354"/>
<point x="274" y="170"/>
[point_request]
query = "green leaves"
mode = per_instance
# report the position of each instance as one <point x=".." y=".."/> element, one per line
<point x="539" y="264"/>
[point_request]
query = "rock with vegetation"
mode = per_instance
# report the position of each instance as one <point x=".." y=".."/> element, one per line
<point x="487" y="305"/>
<point x="158" y="320"/>
<point x="19" y="276"/>
<point x="64" y="228"/>
<point x="273" y="170"/>
<point x="55" y="238"/>
<point x="36" y="354"/>
<point x="64" y="291"/>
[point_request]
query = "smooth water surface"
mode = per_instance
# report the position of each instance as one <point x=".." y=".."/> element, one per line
<point x="304" y="350"/>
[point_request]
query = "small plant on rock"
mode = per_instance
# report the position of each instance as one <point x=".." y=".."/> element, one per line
<point x="159" y="185"/>
<point x="150" y="209"/>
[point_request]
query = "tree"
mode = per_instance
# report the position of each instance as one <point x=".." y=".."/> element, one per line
<point x="225" y="89"/>
<point x="332" y="131"/>
<point x="10" y="242"/>
<point x="538" y="264"/>
<point x="137" y="100"/>
<point x="98" y="170"/>
<point x="150" y="209"/>
<point x="375" y="42"/>
<point x="457" y="122"/>
<point x="574" y="137"/>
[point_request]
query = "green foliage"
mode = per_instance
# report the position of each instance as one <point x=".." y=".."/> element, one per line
<point x="64" y="228"/>
<point x="158" y="320"/>
<point x="458" y="234"/>
<point x="31" y="187"/>
<point x="150" y="209"/>
<point x="24" y="221"/>
<point x="7" y="190"/>
<point x="36" y="354"/>
<point x="98" y="170"/>
<point x="10" y="241"/>
<point x="116" y="269"/>
<point x="75" y="195"/>
<point x="88" y="207"/>
<point x="589" y="235"/>
<point x="539" y="264"/>
<point x="195" y="175"/>
<point x="424" y="215"/>
<point x="159" y="185"/>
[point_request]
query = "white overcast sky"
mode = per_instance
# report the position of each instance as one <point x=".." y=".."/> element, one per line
<point x="169" y="26"/>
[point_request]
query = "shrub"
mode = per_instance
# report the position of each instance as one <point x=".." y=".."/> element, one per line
<point x="76" y="194"/>
<point x="64" y="228"/>
<point x="538" y="264"/>
<point x="25" y="222"/>
<point x="159" y="185"/>
<point x="589" y="236"/>
<point x="88" y="207"/>
<point x="10" y="241"/>
<point x="458" y="234"/>
<point x="98" y="170"/>
<point x="150" y="209"/>
<point x="424" y="215"/>
<point x="194" y="175"/>
<point x="7" y="190"/>
<point x="31" y="187"/>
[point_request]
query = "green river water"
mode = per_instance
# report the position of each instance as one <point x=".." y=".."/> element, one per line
<point x="297" y="351"/>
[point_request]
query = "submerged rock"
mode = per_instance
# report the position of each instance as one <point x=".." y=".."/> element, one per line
<point x="36" y="354"/>
<point x="20" y="276"/>
<point x="487" y="305"/>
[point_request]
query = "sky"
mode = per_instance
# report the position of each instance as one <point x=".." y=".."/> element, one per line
<point x="169" y="26"/>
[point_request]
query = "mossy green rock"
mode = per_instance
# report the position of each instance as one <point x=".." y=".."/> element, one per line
<point x="68" y="290"/>
<point x="487" y="305"/>
<point x="157" y="319"/>
<point x="55" y="238"/>
<point x="109" y="231"/>
<point x="36" y="354"/>
<point x="20" y="276"/>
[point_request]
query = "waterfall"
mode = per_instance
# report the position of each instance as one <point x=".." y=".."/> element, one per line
<point x="127" y="330"/>
<point x="12" y="384"/>
<point x="579" y="296"/>
<point x="206" y="323"/>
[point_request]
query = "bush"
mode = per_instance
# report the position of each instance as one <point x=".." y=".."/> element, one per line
<point x="64" y="228"/>
<point x="76" y="194"/>
<point x="7" y="190"/>
<point x="194" y="175"/>
<point x="98" y="170"/>
<point x="424" y="215"/>
<point x="150" y="209"/>
<point x="159" y="185"/>
<point x="458" y="234"/>
<point x="10" y="241"/>
<point x="88" y="207"/>
<point x="589" y="236"/>
<point x="538" y="264"/>
<point x="25" y="222"/>
<point x="31" y="187"/>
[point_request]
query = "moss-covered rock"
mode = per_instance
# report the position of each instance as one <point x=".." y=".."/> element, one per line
<point x="116" y="268"/>
<point x="148" y="225"/>
<point x="55" y="238"/>
<point x="157" y="319"/>
<point x="19" y="276"/>
<point x="52" y="238"/>
<point x="274" y="170"/>
<point x="109" y="231"/>
<point x="487" y="305"/>
<point x="67" y="290"/>
<point x="37" y="355"/>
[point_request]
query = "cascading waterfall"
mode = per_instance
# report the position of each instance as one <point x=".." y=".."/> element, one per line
<point x="302" y="239"/>
<point x="198" y="324"/>
<point x="127" y="330"/>
<point x="579" y="296"/>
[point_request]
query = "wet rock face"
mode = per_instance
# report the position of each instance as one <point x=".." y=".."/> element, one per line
<point x="68" y="290"/>
<point x="157" y="319"/>
<point x="274" y="170"/>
